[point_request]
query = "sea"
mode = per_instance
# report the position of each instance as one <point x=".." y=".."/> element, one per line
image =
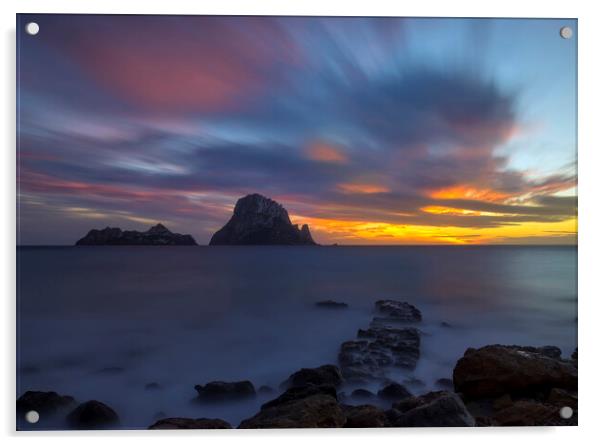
<point x="103" y="322"/>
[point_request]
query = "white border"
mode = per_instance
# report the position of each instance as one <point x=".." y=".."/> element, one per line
<point x="590" y="76"/>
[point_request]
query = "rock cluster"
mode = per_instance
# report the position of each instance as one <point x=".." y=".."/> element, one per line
<point x="258" y="220"/>
<point x="158" y="235"/>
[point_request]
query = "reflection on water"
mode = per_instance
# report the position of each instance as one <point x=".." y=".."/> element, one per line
<point x="103" y="322"/>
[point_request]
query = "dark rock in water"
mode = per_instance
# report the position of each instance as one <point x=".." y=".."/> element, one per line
<point x="560" y="397"/>
<point x="93" y="415"/>
<point x="258" y="220"/>
<point x="364" y="416"/>
<point x="439" y="408"/>
<point x="323" y="375"/>
<point x="445" y="324"/>
<point x="398" y="311"/>
<point x="216" y="391"/>
<point x="444" y="383"/>
<point x="531" y="413"/>
<point x="300" y="407"/>
<point x="362" y="394"/>
<point x="265" y="389"/>
<point x="44" y="402"/>
<point x="394" y="391"/>
<point x="181" y="423"/>
<point x="495" y="370"/>
<point x="331" y="304"/>
<point x="379" y="348"/>
<point x="157" y="235"/>
<point x="152" y="386"/>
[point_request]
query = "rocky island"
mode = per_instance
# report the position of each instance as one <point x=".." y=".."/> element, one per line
<point x="158" y="235"/>
<point x="258" y="220"/>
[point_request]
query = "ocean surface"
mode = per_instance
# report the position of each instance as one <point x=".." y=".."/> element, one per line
<point x="102" y="322"/>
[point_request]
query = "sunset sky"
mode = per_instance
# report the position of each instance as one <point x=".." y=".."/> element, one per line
<point x="371" y="130"/>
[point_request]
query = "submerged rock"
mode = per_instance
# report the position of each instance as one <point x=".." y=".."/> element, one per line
<point x="157" y="235"/>
<point x="323" y="375"/>
<point x="364" y="416"/>
<point x="394" y="391"/>
<point x="441" y="409"/>
<point x="44" y="402"/>
<point x="362" y="394"/>
<point x="181" y="423"/>
<point x="495" y="370"/>
<point x="300" y="407"/>
<point x="331" y="304"/>
<point x="400" y="311"/>
<point x="258" y="220"/>
<point x="217" y="391"/>
<point x="93" y="415"/>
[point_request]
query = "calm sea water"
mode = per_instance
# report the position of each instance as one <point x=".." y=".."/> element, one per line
<point x="102" y="322"/>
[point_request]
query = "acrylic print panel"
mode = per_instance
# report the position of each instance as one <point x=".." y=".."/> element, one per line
<point x="296" y="222"/>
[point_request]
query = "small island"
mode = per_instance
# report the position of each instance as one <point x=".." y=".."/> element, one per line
<point x="158" y="235"/>
<point x="258" y="220"/>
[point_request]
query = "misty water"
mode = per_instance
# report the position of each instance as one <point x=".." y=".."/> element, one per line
<point x="102" y="322"/>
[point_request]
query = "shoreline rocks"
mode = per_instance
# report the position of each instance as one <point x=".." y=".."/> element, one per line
<point x="182" y="423"/>
<point x="322" y="375"/>
<point x="93" y="415"/>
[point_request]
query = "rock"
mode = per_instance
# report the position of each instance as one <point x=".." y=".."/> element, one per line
<point x="265" y="389"/>
<point x="364" y="416"/>
<point x="560" y="397"/>
<point x="394" y="391"/>
<point x="300" y="407"/>
<point x="574" y="355"/>
<point x="217" y="391"/>
<point x="414" y="382"/>
<point x="157" y="235"/>
<point x="378" y="349"/>
<point x="93" y="415"/>
<point x="181" y="423"/>
<point x="323" y="375"/>
<point x="531" y="413"/>
<point x="44" y="402"/>
<point x="362" y="394"/>
<point x="496" y="370"/>
<point x="331" y="304"/>
<point x="398" y="311"/>
<point x="502" y="402"/>
<point x="445" y="383"/>
<point x="445" y="324"/>
<point x="152" y="386"/>
<point x="258" y="220"/>
<point x="440" y="409"/>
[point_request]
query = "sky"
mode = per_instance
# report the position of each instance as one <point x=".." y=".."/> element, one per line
<point x="370" y="130"/>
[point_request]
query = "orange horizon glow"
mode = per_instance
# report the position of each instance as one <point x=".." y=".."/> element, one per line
<point x="468" y="192"/>
<point x="364" y="189"/>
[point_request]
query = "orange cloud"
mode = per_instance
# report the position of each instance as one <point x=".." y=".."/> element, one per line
<point x="364" y="189"/>
<point x="468" y="192"/>
<point x="442" y="210"/>
<point x="324" y="152"/>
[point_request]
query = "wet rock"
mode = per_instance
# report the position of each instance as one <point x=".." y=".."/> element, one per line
<point x="531" y="413"/>
<point x="433" y="409"/>
<point x="217" y="391"/>
<point x="300" y="407"/>
<point x="445" y="383"/>
<point x="323" y="375"/>
<point x="331" y="304"/>
<point x="394" y="391"/>
<point x="258" y="220"/>
<point x="93" y="415"/>
<point x="157" y="235"/>
<point x="152" y="386"/>
<point x="181" y="423"/>
<point x="398" y="311"/>
<point x="496" y="370"/>
<point x="44" y="402"/>
<point x="560" y="397"/>
<point x="502" y="402"/>
<point x="364" y="416"/>
<point x="362" y="394"/>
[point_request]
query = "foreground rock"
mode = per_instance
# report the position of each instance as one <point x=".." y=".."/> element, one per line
<point x="300" y="407"/>
<point x="364" y="416"/>
<point x="439" y="408"/>
<point x="531" y="413"/>
<point x="219" y="391"/>
<point x="157" y="235"/>
<point x="181" y="423"/>
<point x="496" y="370"/>
<point x="323" y="375"/>
<point x="44" y="402"/>
<point x="93" y="415"/>
<point x="258" y="220"/>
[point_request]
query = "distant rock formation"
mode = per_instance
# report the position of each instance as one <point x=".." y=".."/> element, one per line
<point x="258" y="220"/>
<point x="158" y="235"/>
